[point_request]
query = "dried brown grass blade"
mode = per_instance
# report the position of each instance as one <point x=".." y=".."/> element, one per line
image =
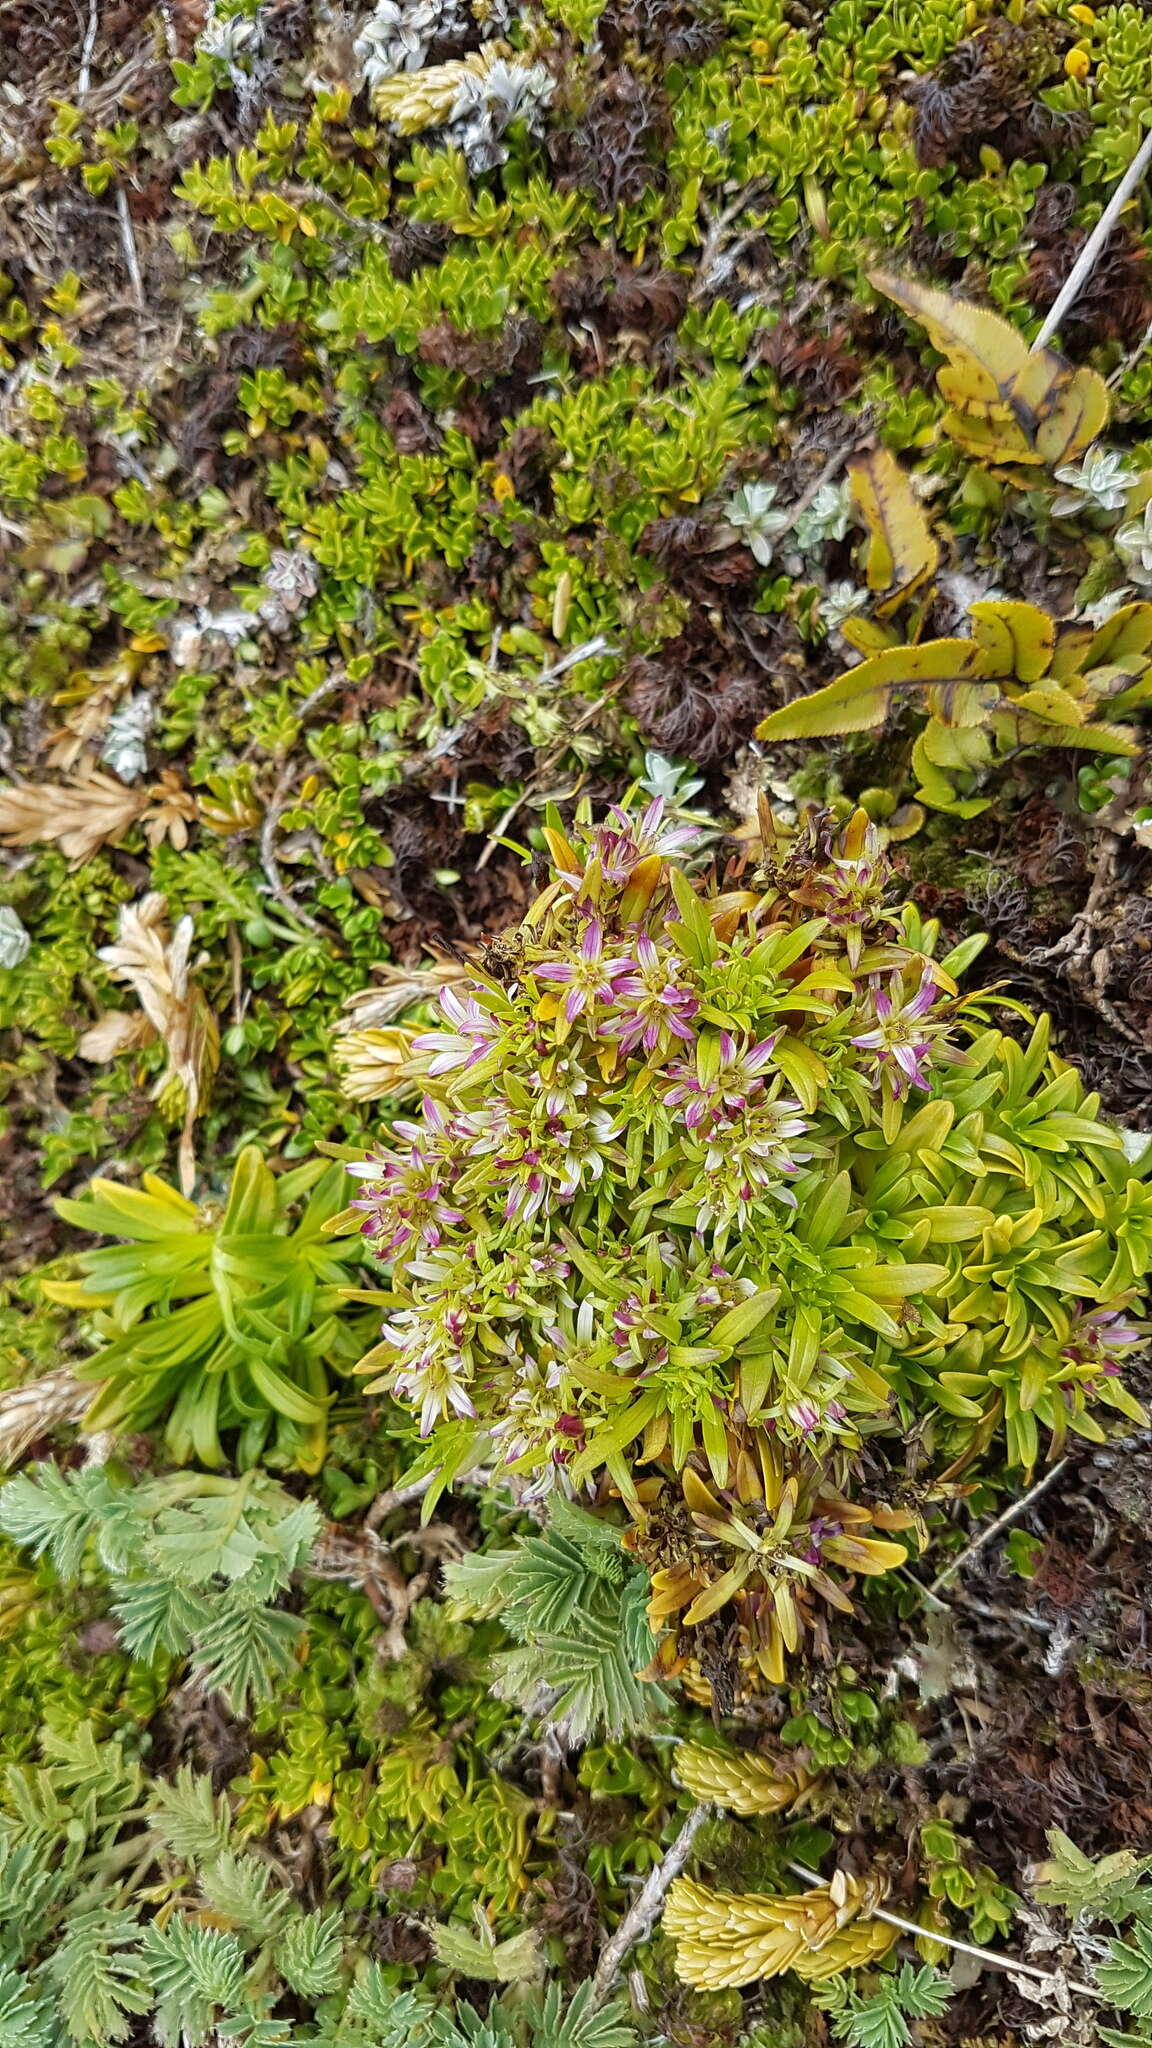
<point x="78" y="816"/>
<point x="35" y="1410"/>
<point x="155" y="964"/>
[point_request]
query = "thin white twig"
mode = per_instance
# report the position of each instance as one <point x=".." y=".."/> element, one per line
<point x="128" y="244"/>
<point x="1002" y="1522"/>
<point x="85" y="78"/>
<point x="861" y="427"/>
<point x="269" y="862"/>
<point x="317" y="196"/>
<point x="588" y="650"/>
<point x="1093" y="248"/>
<point x="133" y="467"/>
<point x="642" y="1914"/>
<point x="963" y="1948"/>
<point x="498" y="831"/>
<point x="327" y="688"/>
<point x="407" y="1492"/>
<point x="713" y="246"/>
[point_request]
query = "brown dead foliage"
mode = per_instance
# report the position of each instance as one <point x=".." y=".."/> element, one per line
<point x="410" y="424"/>
<point x="415" y="243"/>
<point x="43" y="39"/>
<point x="615" y="150"/>
<point x="1130" y="950"/>
<point x="1116" y="302"/>
<point x="606" y="288"/>
<point x="823" y="367"/>
<point x="399" y="1938"/>
<point x="1069" y="910"/>
<point x="672" y="30"/>
<point x="186" y="19"/>
<point x="195" y="1727"/>
<point x="685" y="546"/>
<point x="155" y="963"/>
<point x="493" y="745"/>
<point x="207" y="397"/>
<point x="517" y="345"/>
<point x="984" y="93"/>
<point x="527" y="459"/>
<point x="424" y="829"/>
<point x="685" y="712"/>
<point x="35" y="36"/>
<point x="571" y="1909"/>
<point x="1068" y="1742"/>
<point x="93" y="809"/>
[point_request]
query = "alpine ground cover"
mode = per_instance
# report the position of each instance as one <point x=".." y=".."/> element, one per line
<point x="422" y="431"/>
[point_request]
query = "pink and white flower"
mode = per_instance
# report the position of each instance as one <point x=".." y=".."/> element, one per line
<point x="540" y="1161"/>
<point x="622" y="842"/>
<point x="435" y="1383"/>
<point x="651" y="1002"/>
<point x="898" y="1035"/>
<point x="738" y="1082"/>
<point x="474" y="1034"/>
<point x="1099" y="1338"/>
<point x="409" y="1196"/>
<point x="590" y="978"/>
<point x="750" y="1154"/>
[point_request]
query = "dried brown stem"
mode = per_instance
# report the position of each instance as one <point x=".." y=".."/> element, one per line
<point x="1003" y="1521"/>
<point x="327" y="688"/>
<point x="408" y="1492"/>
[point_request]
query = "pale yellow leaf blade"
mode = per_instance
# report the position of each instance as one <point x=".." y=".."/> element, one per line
<point x="902" y="553"/>
<point x="983" y="350"/>
<point x="1020" y="637"/>
<point x="1078" y="419"/>
<point x="1007" y="403"/>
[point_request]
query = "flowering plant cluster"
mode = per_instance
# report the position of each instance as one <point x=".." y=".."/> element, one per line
<point x="719" y="1197"/>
